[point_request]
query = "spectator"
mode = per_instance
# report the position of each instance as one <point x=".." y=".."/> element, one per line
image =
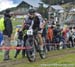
<point x="19" y="41"/>
<point x="50" y="33"/>
<point x="7" y="33"/>
<point x="70" y="37"/>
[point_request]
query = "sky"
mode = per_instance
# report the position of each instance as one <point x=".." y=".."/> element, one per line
<point x="4" y="4"/>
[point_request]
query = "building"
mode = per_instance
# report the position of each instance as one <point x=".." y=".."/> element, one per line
<point x="57" y="12"/>
<point x="70" y="20"/>
<point x="19" y="10"/>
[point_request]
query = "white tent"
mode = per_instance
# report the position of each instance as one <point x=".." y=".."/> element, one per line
<point x="72" y="10"/>
<point x="57" y="7"/>
<point x="61" y="11"/>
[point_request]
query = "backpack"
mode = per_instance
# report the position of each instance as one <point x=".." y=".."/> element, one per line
<point x="2" y="26"/>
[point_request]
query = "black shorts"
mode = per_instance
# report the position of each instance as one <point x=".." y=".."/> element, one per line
<point x="38" y="30"/>
<point x="70" y="38"/>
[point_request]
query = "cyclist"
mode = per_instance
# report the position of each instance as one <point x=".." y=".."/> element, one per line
<point x="35" y="21"/>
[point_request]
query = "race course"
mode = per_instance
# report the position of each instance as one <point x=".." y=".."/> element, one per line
<point x="61" y="58"/>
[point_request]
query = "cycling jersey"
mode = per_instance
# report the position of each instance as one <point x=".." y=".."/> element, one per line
<point x="34" y="23"/>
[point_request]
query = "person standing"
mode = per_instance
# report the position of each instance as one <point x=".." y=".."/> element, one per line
<point x="19" y="41"/>
<point x="7" y="32"/>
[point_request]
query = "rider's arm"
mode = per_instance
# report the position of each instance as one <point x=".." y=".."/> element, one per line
<point x="43" y="23"/>
<point x="23" y="24"/>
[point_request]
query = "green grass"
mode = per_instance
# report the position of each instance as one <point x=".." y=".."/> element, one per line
<point x="54" y="57"/>
<point x="66" y="59"/>
<point x="12" y="53"/>
<point x="14" y="23"/>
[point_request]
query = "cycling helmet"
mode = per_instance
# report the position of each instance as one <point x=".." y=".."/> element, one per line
<point x="31" y="11"/>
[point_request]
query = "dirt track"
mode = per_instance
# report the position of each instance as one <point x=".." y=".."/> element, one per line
<point x="22" y="61"/>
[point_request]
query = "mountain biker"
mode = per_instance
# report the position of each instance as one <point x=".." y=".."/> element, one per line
<point x="35" y="21"/>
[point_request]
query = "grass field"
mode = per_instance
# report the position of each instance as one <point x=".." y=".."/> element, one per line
<point x="53" y="58"/>
<point x="61" y="58"/>
<point x="14" y="23"/>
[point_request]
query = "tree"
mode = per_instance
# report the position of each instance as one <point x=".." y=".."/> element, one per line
<point x="51" y="2"/>
<point x="42" y="10"/>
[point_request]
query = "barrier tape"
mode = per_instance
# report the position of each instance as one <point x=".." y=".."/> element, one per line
<point x="16" y="48"/>
<point x="54" y="43"/>
<point x="28" y="47"/>
<point x="13" y="48"/>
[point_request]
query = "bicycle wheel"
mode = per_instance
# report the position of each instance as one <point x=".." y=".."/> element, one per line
<point x="36" y="45"/>
<point x="43" y="53"/>
<point x="30" y="51"/>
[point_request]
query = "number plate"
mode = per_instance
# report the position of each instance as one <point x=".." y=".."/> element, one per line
<point x="30" y="32"/>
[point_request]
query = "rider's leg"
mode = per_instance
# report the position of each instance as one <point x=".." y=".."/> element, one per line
<point x="40" y="41"/>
